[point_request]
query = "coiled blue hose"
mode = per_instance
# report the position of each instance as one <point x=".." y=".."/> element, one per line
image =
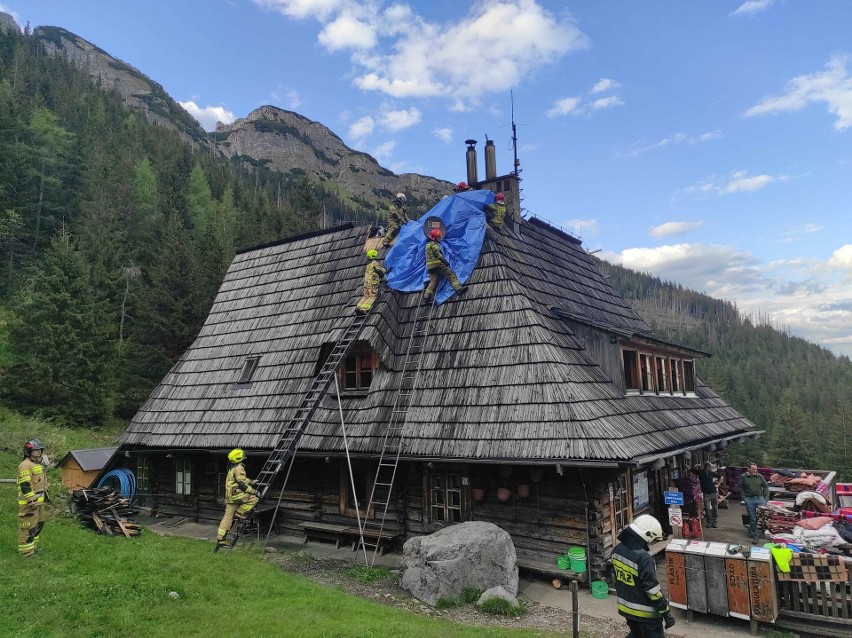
<point x="126" y="482"/>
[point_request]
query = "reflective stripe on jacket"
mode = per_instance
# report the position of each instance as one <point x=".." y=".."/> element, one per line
<point x="397" y="214"/>
<point x="32" y="482"/>
<point x="373" y="274"/>
<point x="434" y="256"/>
<point x="636" y="584"/>
<point x="237" y="484"/>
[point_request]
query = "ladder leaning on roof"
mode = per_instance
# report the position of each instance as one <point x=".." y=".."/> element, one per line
<point x="288" y="440"/>
<point x="392" y="443"/>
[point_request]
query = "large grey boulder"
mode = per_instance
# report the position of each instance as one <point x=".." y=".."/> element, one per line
<point x="475" y="554"/>
<point x="497" y="592"/>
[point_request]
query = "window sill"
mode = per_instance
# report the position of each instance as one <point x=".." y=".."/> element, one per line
<point x="352" y="394"/>
<point x="678" y="395"/>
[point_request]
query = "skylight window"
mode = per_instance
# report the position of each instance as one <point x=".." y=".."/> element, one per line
<point x="248" y="370"/>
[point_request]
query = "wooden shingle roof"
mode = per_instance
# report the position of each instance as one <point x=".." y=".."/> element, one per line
<point x="503" y="377"/>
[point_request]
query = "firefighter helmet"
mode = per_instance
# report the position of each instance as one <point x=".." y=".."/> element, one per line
<point x="648" y="527"/>
<point x="499" y="197"/>
<point x="400" y="197"/>
<point x="435" y="235"/>
<point x="461" y="186"/>
<point x="32" y="445"/>
<point x="372" y="254"/>
<point x="236" y="455"/>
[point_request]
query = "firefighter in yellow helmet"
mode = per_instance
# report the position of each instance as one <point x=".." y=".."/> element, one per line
<point x="374" y="274"/>
<point x="396" y="219"/>
<point x="437" y="267"/>
<point x="240" y="495"/>
<point x="32" y="493"/>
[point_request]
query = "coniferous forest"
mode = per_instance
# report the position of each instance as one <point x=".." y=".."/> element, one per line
<point x="115" y="235"/>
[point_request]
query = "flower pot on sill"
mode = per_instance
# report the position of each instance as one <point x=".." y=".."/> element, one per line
<point x="477" y="493"/>
<point x="503" y="494"/>
<point x="524" y="490"/>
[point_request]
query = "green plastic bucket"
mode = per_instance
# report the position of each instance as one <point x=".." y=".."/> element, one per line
<point x="578" y="559"/>
<point x="564" y="562"/>
<point x="600" y="589"/>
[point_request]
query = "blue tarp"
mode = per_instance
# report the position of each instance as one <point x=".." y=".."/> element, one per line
<point x="464" y="220"/>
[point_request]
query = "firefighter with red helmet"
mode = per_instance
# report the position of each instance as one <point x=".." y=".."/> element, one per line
<point x="437" y="266"/>
<point x="240" y="495"/>
<point x="462" y="187"/>
<point x="496" y="212"/>
<point x="32" y="494"/>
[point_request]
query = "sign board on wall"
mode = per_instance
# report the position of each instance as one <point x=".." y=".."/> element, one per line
<point x="673" y="498"/>
<point x="640" y="491"/>
<point x="675" y="516"/>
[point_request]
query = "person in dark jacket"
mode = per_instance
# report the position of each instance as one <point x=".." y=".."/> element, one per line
<point x="754" y="490"/>
<point x="640" y="599"/>
<point x="707" y="478"/>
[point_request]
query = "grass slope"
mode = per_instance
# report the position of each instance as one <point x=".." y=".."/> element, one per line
<point x="85" y="585"/>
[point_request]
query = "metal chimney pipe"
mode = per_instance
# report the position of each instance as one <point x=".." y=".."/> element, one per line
<point x="470" y="156"/>
<point x="490" y="160"/>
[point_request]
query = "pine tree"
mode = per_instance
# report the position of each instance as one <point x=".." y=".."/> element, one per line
<point x="59" y="340"/>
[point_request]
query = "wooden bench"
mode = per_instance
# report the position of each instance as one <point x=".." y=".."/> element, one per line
<point x="323" y="531"/>
<point x="258" y="514"/>
<point x="372" y="538"/>
<point x="527" y="563"/>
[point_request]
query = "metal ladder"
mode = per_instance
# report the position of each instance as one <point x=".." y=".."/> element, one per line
<point x="394" y="434"/>
<point x="288" y="441"/>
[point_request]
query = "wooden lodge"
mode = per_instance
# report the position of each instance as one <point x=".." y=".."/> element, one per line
<point x="545" y="403"/>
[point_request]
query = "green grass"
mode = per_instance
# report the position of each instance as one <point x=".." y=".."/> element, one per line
<point x="368" y="575"/>
<point x="500" y="607"/>
<point x="85" y="585"/>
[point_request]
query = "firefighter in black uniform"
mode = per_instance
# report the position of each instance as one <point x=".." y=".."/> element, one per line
<point x="640" y="600"/>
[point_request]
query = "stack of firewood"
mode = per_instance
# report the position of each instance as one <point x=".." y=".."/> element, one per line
<point x="104" y="510"/>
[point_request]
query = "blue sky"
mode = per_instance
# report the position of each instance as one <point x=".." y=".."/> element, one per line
<point x="709" y="143"/>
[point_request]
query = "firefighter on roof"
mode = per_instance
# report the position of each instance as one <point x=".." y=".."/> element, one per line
<point x="240" y="495"/>
<point x="374" y="274"/>
<point x="32" y="493"/>
<point x="496" y="212"/>
<point x="396" y="219"/>
<point x="437" y="266"/>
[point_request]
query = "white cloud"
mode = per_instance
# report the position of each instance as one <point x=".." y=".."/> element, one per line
<point x="207" y="116"/>
<point x="793" y="234"/>
<point x="583" y="226"/>
<point x="288" y="97"/>
<point x="799" y="294"/>
<point x="14" y="14"/>
<point x="607" y="102"/>
<point x="565" y="106"/>
<point x="752" y="6"/>
<point x="706" y="137"/>
<point x="741" y="182"/>
<point x="383" y="151"/>
<point x="361" y="128"/>
<point x="444" y="134"/>
<point x="347" y="32"/>
<point x="401" y="54"/>
<point x="832" y="86"/>
<point x="672" y="140"/>
<point x="669" y="229"/>
<point x="604" y="84"/>
<point x="842" y="258"/>
<point x="299" y="9"/>
<point x="398" y="120"/>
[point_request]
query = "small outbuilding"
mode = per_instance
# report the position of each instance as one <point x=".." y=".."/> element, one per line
<point x="81" y="467"/>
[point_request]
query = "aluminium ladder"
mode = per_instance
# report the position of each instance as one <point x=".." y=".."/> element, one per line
<point x="393" y="439"/>
<point x="288" y="440"/>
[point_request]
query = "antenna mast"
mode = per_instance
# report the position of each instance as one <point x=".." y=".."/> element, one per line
<point x="514" y="135"/>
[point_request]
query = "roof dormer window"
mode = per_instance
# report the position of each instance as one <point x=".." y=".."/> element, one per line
<point x="249" y="368"/>
<point x="658" y="373"/>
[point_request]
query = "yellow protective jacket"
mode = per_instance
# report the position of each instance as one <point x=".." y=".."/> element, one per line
<point x="32" y="482"/>
<point x="397" y="214"/>
<point x="434" y="256"/>
<point x="237" y="484"/>
<point x="499" y="211"/>
<point x="374" y="273"/>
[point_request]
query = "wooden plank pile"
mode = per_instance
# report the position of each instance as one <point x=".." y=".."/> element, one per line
<point x="103" y="510"/>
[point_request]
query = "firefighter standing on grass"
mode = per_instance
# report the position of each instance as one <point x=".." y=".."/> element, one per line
<point x="240" y="496"/>
<point x="373" y="276"/>
<point x="32" y="493"/>
<point x="437" y="266"/>
<point x="640" y="600"/>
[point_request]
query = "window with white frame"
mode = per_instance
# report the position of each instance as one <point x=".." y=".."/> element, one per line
<point x="143" y="474"/>
<point x="183" y="477"/>
<point x="648" y="373"/>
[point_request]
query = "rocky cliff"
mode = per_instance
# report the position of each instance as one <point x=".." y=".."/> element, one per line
<point x="138" y="90"/>
<point x="286" y="141"/>
<point x="8" y="22"/>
